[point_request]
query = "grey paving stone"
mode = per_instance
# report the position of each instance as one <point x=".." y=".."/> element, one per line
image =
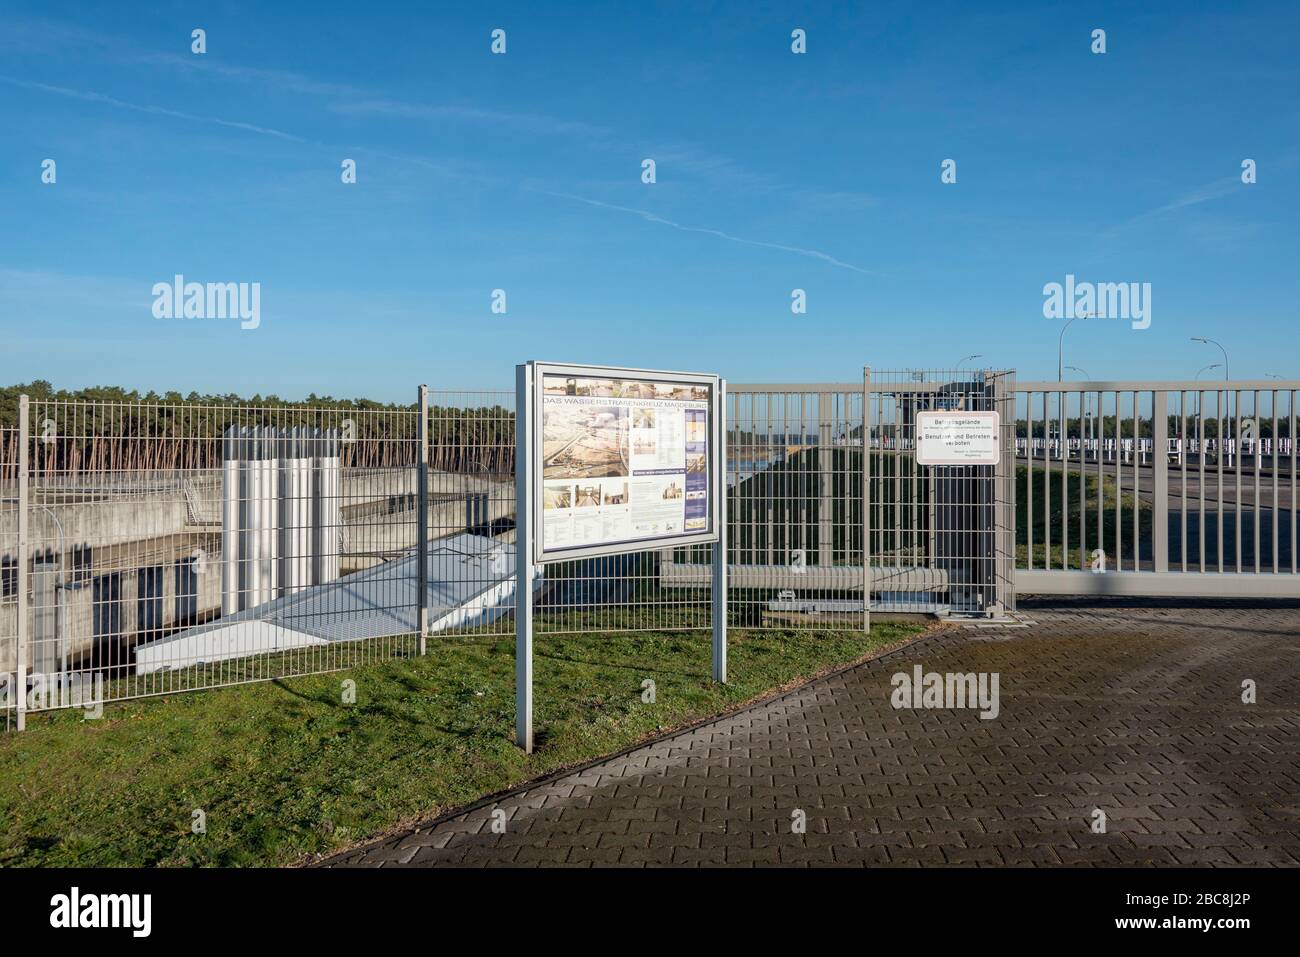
<point x="1133" y="709"/>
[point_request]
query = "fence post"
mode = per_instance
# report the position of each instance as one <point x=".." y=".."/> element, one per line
<point x="720" y="547"/>
<point x="825" y="477"/>
<point x="1004" y="401"/>
<point x="866" y="498"/>
<point x="1160" y="463"/>
<point x="20" y="683"/>
<point x="422" y="521"/>
<point x="523" y="558"/>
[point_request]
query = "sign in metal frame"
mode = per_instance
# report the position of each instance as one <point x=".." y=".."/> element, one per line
<point x="530" y="379"/>
<point x="541" y="372"/>
<point x="981" y="432"/>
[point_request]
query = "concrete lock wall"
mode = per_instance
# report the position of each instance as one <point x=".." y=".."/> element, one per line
<point x="373" y="520"/>
<point x="385" y="520"/>
<point x="62" y="619"/>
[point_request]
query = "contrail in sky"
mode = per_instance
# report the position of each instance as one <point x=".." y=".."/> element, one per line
<point x="92" y="97"/>
<point x="656" y="218"/>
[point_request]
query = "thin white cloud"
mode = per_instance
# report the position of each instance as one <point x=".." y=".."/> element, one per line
<point x="529" y="122"/>
<point x="1201" y="194"/>
<point x="282" y="81"/>
<point x="656" y="218"/>
<point x="352" y="100"/>
<point x="90" y="96"/>
<point x="343" y="98"/>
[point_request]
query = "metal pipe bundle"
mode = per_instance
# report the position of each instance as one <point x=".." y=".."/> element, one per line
<point x="281" y="513"/>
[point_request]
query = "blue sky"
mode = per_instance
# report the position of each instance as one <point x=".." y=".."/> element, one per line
<point x="522" y="172"/>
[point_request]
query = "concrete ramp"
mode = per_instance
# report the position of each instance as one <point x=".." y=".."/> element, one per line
<point x="471" y="582"/>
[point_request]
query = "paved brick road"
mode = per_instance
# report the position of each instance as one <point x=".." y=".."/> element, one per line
<point x="1136" y="711"/>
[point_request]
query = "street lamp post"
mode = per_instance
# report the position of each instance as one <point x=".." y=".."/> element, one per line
<point x="1060" y="350"/>
<point x="1087" y="403"/>
<point x="1213" y="342"/>
<point x="1200" y="451"/>
<point x="1060" y="344"/>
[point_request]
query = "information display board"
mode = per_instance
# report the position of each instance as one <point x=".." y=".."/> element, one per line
<point x="609" y="461"/>
<point x="624" y="460"/>
<point x="957" y="438"/>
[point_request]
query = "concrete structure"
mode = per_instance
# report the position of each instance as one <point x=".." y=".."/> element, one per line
<point x="470" y="582"/>
<point x="125" y="559"/>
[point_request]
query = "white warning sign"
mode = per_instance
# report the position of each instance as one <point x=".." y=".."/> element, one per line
<point x="957" y="438"/>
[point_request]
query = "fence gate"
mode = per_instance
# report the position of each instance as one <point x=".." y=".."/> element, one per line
<point x="940" y="538"/>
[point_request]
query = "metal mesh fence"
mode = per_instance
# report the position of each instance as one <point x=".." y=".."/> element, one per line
<point x="178" y="547"/>
<point x="9" y="560"/>
<point x="174" y="547"/>
<point x="940" y="535"/>
<point x="794" y="512"/>
<point x="471" y="474"/>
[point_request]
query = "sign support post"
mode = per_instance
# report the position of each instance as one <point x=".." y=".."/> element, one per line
<point x="523" y="558"/>
<point x="20" y="685"/>
<point x="720" y="546"/>
<point x="422" y="521"/>
<point x="612" y="461"/>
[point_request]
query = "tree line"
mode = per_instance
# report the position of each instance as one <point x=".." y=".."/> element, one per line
<point x="111" y="429"/>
